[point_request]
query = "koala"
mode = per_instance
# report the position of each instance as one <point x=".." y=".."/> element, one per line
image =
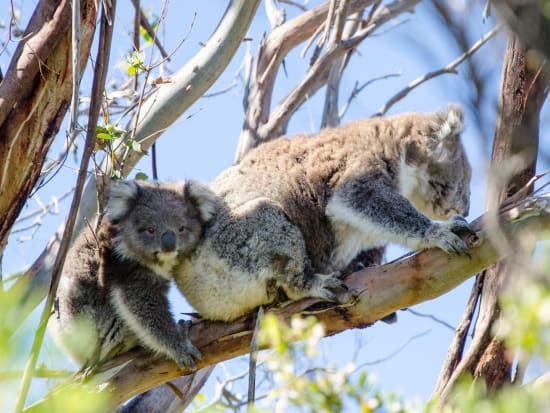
<point x="112" y="294"/>
<point x="296" y="212"/>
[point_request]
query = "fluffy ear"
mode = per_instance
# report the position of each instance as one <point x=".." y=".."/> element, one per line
<point x="121" y="193"/>
<point x="447" y="129"/>
<point x="206" y="201"/>
<point x="450" y="123"/>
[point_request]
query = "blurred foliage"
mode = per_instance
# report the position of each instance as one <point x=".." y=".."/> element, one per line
<point x="295" y="387"/>
<point x="525" y="326"/>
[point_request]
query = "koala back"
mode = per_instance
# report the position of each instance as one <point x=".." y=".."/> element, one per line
<point x="418" y="155"/>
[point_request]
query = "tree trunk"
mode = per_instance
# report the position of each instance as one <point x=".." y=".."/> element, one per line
<point x="34" y="97"/>
<point x="522" y="94"/>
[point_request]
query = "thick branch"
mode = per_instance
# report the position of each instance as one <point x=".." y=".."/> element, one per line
<point x="379" y="290"/>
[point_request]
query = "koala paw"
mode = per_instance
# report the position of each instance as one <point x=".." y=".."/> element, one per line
<point x="188" y="352"/>
<point x="445" y="235"/>
<point x="330" y="287"/>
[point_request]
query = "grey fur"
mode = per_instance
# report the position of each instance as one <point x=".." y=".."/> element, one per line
<point x="298" y="210"/>
<point x="112" y="294"/>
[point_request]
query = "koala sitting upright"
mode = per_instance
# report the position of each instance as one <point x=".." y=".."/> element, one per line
<point x="299" y="210"/>
<point x="113" y="290"/>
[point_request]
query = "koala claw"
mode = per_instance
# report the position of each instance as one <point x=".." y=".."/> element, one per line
<point x="189" y="352"/>
<point x="330" y="285"/>
<point x="444" y="235"/>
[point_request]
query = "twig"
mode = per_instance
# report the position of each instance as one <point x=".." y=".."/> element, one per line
<point x="432" y="317"/>
<point x="40" y="372"/>
<point x="450" y="68"/>
<point x="525" y="190"/>
<point x="358" y="89"/>
<point x="311" y="40"/>
<point x="75" y="46"/>
<point x="486" y="10"/>
<point x="150" y="31"/>
<point x="248" y="61"/>
<point x="330" y="111"/>
<point x="100" y="74"/>
<point x="53" y="204"/>
<point x="396" y="351"/>
<point x="226" y="89"/>
<point x="253" y="359"/>
<point x="294" y="3"/>
<point x="456" y="349"/>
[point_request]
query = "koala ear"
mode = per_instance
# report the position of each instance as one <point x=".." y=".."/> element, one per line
<point x="449" y="124"/>
<point x="206" y="201"/>
<point x="447" y="129"/>
<point x="121" y="193"/>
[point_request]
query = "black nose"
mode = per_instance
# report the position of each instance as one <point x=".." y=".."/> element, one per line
<point x="168" y="241"/>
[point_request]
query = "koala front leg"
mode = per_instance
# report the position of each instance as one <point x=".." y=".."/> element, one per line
<point x="371" y="206"/>
<point x="146" y="312"/>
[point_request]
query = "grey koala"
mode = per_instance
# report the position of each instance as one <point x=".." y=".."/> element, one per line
<point x="297" y="211"/>
<point x="112" y="294"/>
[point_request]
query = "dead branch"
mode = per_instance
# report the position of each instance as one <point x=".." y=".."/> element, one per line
<point x="450" y="68"/>
<point x="270" y="56"/>
<point x="98" y="85"/>
<point x="317" y="74"/>
<point x="261" y="124"/>
<point x="379" y="291"/>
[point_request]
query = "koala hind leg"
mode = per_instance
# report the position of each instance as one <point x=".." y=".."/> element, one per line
<point x="328" y="287"/>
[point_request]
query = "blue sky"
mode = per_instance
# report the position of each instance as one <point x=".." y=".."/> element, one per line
<point x="203" y="142"/>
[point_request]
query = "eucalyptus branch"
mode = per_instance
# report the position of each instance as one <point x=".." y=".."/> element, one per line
<point x="418" y="278"/>
<point x="294" y="99"/>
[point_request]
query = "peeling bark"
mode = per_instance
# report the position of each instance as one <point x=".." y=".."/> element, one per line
<point x="34" y="97"/>
<point x="522" y="95"/>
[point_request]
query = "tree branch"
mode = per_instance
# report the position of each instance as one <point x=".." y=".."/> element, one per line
<point x="270" y="56"/>
<point x="522" y="95"/>
<point x="379" y="291"/>
<point x="450" y="68"/>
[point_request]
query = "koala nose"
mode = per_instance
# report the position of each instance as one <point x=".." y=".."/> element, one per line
<point x="168" y="241"/>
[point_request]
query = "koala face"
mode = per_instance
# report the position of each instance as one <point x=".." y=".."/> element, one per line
<point x="435" y="173"/>
<point x="446" y="187"/>
<point x="155" y="223"/>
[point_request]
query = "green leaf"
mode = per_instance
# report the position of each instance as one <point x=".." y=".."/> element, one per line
<point x="140" y="176"/>
<point x="106" y="136"/>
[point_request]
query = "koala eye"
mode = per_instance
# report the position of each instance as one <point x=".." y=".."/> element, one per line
<point x="150" y="230"/>
<point x="182" y="228"/>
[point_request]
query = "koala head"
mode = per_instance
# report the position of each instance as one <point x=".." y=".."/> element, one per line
<point x="157" y="223"/>
<point x="434" y="171"/>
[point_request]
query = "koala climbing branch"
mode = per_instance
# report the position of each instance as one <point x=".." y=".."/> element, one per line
<point x="379" y="290"/>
